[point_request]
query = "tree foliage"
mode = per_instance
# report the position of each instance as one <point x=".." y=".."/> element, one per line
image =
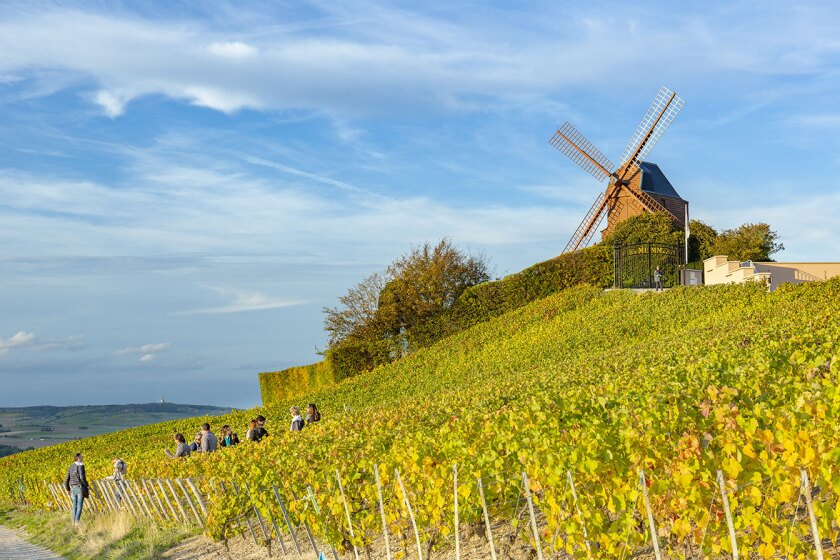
<point x="701" y="242"/>
<point x="373" y="321"/>
<point x="749" y="242"/>
<point x="656" y="227"/>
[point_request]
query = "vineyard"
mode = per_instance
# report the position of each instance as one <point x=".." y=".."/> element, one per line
<point x="577" y="423"/>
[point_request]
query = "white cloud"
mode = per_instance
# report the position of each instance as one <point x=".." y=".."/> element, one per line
<point x="241" y="301"/>
<point x="232" y="49"/>
<point x="21" y="338"/>
<point x="113" y="104"/>
<point x="387" y="59"/>
<point x="149" y="351"/>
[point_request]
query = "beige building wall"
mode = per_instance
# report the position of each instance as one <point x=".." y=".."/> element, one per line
<point x="720" y="270"/>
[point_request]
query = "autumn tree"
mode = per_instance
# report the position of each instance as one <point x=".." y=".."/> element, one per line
<point x="749" y="242"/>
<point x="372" y="324"/>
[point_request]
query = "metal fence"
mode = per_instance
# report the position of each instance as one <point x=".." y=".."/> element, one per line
<point x="635" y="265"/>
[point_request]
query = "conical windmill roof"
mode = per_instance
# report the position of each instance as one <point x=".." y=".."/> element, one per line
<point x="655" y="182"/>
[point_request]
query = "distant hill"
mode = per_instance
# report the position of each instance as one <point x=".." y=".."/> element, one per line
<point x="39" y="426"/>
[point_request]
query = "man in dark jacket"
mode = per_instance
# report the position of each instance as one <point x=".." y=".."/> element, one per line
<point x="76" y="485"/>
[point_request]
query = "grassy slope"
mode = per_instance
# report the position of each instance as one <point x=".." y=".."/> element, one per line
<point x="602" y="384"/>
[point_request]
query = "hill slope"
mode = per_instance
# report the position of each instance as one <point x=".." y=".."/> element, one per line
<point x="679" y="384"/>
<point x="40" y="426"/>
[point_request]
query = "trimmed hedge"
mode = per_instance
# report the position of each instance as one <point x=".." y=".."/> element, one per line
<point x="279" y="386"/>
<point x="592" y="266"/>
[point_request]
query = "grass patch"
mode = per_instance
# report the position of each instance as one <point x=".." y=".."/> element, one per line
<point x="106" y="537"/>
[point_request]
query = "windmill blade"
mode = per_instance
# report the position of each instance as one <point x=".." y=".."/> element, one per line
<point x="581" y="151"/>
<point x="588" y="226"/>
<point x="656" y="121"/>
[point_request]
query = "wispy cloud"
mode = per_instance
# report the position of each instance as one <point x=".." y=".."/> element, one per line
<point x="21" y="338"/>
<point x="148" y="352"/>
<point x="241" y="301"/>
<point x="387" y="59"/>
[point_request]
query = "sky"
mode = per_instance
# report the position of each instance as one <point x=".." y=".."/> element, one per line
<point x="185" y="185"/>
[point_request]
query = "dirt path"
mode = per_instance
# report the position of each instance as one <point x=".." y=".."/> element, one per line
<point x="12" y="547"/>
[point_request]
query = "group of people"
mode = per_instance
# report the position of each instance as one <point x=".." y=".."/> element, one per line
<point x="76" y="483"/>
<point x="206" y="441"/>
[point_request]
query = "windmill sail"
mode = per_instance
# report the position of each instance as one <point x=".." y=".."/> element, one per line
<point x="588" y="226"/>
<point x="581" y="151"/>
<point x="664" y="109"/>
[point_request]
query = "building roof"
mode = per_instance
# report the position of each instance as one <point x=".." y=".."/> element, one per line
<point x="655" y="182"/>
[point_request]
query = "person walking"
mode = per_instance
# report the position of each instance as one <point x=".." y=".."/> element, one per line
<point x="297" y="420"/>
<point x="229" y="438"/>
<point x="657" y="279"/>
<point x="209" y="442"/>
<point x="77" y="487"/>
<point x="182" y="449"/>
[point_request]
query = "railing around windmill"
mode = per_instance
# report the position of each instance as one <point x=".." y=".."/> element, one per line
<point x="635" y="265"/>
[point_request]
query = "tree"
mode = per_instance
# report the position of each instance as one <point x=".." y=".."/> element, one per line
<point x="701" y="243"/>
<point x="749" y="242"/>
<point x="373" y="322"/>
<point x="357" y="313"/>
<point x="426" y="281"/>
<point x="655" y="227"/>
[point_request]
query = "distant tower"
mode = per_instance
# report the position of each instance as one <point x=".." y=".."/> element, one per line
<point x="162" y="400"/>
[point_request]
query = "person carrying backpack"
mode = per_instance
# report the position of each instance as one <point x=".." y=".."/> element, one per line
<point x="76" y="484"/>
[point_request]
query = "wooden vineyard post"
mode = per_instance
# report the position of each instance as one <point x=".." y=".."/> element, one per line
<point x="311" y="494"/>
<point x="168" y="502"/>
<point x="382" y="512"/>
<point x="138" y="495"/>
<point x="126" y="490"/>
<point x="815" y="534"/>
<point x="725" y="497"/>
<point x="242" y="503"/>
<point x="486" y="519"/>
<point x="276" y="531"/>
<point x="68" y="503"/>
<point x="55" y="497"/>
<point x="537" y="542"/>
<point x="104" y="497"/>
<point x="189" y="501"/>
<point x="177" y="501"/>
<point x="651" y="524"/>
<point x="266" y="538"/>
<point x="306" y="528"/>
<point x="152" y="492"/>
<point x="286" y="517"/>
<point x="199" y="498"/>
<point x="410" y="514"/>
<point x="347" y="513"/>
<point x="455" y="494"/>
<point x="580" y="516"/>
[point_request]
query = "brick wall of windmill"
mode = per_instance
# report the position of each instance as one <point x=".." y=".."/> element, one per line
<point x="625" y="206"/>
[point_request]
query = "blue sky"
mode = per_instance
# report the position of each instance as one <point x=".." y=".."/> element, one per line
<point x="183" y="186"/>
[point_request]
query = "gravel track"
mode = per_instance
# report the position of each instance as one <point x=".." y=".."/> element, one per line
<point x="12" y="547"/>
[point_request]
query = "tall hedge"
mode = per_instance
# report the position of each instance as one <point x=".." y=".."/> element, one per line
<point x="279" y="386"/>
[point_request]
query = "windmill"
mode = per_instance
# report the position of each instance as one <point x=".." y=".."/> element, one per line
<point x="635" y="186"/>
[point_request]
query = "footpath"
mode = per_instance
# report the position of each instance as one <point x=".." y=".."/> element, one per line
<point x="12" y="547"/>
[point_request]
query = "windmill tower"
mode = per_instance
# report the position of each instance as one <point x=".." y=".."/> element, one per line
<point x="635" y="186"/>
